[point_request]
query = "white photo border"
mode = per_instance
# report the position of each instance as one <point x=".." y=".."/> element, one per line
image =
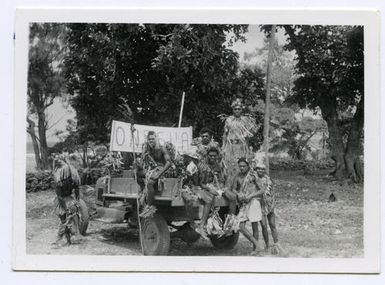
<point x="370" y="263"/>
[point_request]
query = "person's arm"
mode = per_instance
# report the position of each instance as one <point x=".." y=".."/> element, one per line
<point x="166" y="166"/>
<point x="195" y="179"/>
<point x="260" y="192"/>
<point x="60" y="199"/>
<point x="203" y="177"/>
<point x="236" y="187"/>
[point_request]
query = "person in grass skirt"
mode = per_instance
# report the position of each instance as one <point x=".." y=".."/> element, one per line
<point x="67" y="181"/>
<point x="238" y="129"/>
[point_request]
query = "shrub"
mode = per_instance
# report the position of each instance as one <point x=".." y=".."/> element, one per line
<point x="43" y="180"/>
<point x="313" y="166"/>
<point x="39" y="181"/>
<point x="309" y="166"/>
<point x="89" y="176"/>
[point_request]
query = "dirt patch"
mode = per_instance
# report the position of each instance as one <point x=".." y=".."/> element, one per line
<point x="308" y="225"/>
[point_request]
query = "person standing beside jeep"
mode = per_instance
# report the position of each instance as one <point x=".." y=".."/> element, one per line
<point x="268" y="201"/>
<point x="67" y="183"/>
<point x="250" y="193"/>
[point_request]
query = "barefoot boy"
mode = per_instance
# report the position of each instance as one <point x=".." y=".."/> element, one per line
<point x="268" y="205"/>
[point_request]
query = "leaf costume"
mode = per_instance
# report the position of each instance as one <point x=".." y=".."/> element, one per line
<point x="67" y="180"/>
<point x="269" y="195"/>
<point x="237" y="132"/>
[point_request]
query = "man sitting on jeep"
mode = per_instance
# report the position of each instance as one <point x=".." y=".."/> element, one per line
<point x="156" y="162"/>
<point x="211" y="180"/>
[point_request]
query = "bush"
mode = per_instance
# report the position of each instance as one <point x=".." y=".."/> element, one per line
<point x="89" y="176"/>
<point x="43" y="180"/>
<point x="313" y="166"/>
<point x="309" y="166"/>
<point x="39" y="181"/>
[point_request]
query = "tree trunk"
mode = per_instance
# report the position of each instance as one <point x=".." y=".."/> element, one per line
<point x="353" y="148"/>
<point x="43" y="140"/>
<point x="302" y="146"/>
<point x="35" y="144"/>
<point x="329" y="113"/>
<point x="266" y="124"/>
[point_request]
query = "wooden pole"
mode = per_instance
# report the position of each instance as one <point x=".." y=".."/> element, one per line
<point x="266" y="125"/>
<point x="137" y="189"/>
<point x="181" y="111"/>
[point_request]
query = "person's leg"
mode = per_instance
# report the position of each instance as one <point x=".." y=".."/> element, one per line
<point x="254" y="226"/>
<point x="189" y="207"/>
<point x="206" y="211"/>
<point x="276" y="248"/>
<point x="61" y="230"/>
<point x="265" y="232"/>
<point x="248" y="235"/>
<point x="190" y="214"/>
<point x="76" y="224"/>
<point x="232" y="200"/>
<point x="202" y="229"/>
<point x="273" y="228"/>
<point x="151" y="191"/>
<point x="208" y="200"/>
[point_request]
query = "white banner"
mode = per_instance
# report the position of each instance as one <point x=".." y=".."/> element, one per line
<point x="121" y="137"/>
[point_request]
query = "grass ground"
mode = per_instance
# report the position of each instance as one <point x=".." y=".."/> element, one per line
<point x="308" y="225"/>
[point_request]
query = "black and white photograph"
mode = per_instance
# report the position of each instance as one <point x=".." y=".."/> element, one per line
<point x="194" y="139"/>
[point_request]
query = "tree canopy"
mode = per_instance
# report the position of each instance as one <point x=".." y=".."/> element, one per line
<point x="148" y="67"/>
<point x="330" y="70"/>
<point x="45" y="83"/>
<point x="330" y="64"/>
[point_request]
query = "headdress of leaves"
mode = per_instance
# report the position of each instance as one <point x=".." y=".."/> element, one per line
<point x="66" y="171"/>
<point x="237" y="103"/>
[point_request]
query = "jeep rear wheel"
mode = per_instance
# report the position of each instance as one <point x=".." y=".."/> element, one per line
<point x="155" y="235"/>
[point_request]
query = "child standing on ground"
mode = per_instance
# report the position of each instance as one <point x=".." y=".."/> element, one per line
<point x="249" y="193"/>
<point x="268" y="203"/>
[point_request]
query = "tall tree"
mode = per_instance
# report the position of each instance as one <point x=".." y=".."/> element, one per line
<point x="282" y="82"/>
<point x="266" y="123"/>
<point x="148" y="67"/>
<point x="45" y="83"/>
<point x="330" y="71"/>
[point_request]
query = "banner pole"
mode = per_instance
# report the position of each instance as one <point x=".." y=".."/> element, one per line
<point x="137" y="189"/>
<point x="181" y="111"/>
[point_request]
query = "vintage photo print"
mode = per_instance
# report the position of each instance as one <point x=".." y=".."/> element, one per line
<point x="196" y="140"/>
